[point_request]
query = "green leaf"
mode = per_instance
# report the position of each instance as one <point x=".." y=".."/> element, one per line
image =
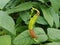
<point x="54" y="34"/>
<point x="7" y="22"/>
<point x="47" y="16"/>
<point x="18" y="21"/>
<point x="54" y="43"/>
<point x="25" y="39"/>
<point x="20" y="29"/>
<point x="25" y="16"/>
<point x="55" y="4"/>
<point x="3" y="3"/>
<point x="41" y="20"/>
<point x="59" y="24"/>
<point x="41" y="1"/>
<point x="9" y="4"/>
<point x="55" y="17"/>
<point x="21" y="7"/>
<point x="5" y="40"/>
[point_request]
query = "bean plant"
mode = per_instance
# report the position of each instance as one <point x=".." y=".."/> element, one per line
<point x="29" y="22"/>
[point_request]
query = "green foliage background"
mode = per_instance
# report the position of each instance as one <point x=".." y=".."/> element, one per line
<point x="15" y="16"/>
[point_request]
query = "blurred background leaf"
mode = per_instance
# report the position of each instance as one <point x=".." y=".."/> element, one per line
<point x="3" y="3"/>
<point x="5" y="40"/>
<point x="7" y="23"/>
